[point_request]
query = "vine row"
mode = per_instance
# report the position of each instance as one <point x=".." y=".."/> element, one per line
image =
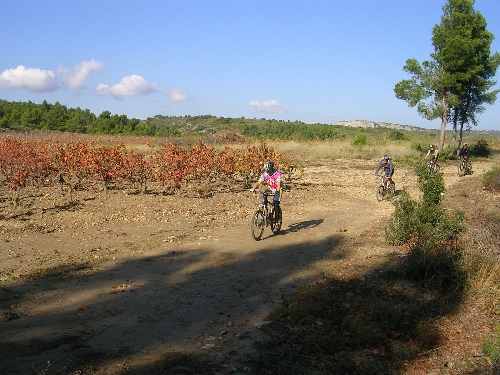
<point x="25" y="162"/>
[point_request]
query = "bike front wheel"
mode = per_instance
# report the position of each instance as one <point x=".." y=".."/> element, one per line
<point x="276" y="220"/>
<point x="434" y="168"/>
<point x="392" y="188"/>
<point x="257" y="225"/>
<point x="380" y="193"/>
<point x="461" y="169"/>
<point x="468" y="168"/>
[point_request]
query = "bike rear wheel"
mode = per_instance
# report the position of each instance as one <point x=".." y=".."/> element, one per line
<point x="257" y="225"/>
<point x="276" y="220"/>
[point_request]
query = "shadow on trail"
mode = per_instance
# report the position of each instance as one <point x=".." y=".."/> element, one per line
<point x="295" y="227"/>
<point x="77" y="317"/>
<point x="373" y="326"/>
<point x="176" y="313"/>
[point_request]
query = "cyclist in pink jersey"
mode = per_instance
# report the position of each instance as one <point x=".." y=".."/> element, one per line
<point x="271" y="177"/>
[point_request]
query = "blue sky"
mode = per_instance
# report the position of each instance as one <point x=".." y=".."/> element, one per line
<point x="317" y="61"/>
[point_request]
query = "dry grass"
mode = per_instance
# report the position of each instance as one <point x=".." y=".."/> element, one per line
<point x="309" y="152"/>
<point x="481" y="258"/>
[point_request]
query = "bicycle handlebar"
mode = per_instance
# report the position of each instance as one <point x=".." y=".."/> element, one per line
<point x="266" y="192"/>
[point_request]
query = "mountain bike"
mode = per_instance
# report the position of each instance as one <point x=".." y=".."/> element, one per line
<point x="465" y="167"/>
<point x="386" y="188"/>
<point x="434" y="167"/>
<point x="266" y="215"/>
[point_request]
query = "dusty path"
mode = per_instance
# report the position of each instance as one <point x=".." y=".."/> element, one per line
<point x="117" y="284"/>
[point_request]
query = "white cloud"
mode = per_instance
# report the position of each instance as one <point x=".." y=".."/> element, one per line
<point x="32" y="79"/>
<point x="74" y="79"/>
<point x="177" y="95"/>
<point x="270" y="106"/>
<point x="133" y="85"/>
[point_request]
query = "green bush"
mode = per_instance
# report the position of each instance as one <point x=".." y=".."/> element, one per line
<point x="491" y="348"/>
<point x="491" y="179"/>
<point x="417" y="146"/>
<point x="432" y="185"/>
<point x="429" y="233"/>
<point x="481" y="149"/>
<point x="397" y="135"/>
<point x="448" y="153"/>
<point x="401" y="227"/>
<point x="360" y="140"/>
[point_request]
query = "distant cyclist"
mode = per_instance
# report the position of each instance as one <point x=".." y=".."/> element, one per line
<point x="432" y="154"/>
<point x="271" y="177"/>
<point x="388" y="166"/>
<point x="464" y="152"/>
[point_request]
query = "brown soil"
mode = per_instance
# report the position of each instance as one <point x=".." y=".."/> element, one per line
<point x="121" y="283"/>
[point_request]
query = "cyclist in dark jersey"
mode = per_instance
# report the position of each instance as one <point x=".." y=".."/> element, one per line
<point x="464" y="151"/>
<point x="388" y="165"/>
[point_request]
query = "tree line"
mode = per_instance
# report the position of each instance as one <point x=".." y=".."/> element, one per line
<point x="58" y="117"/>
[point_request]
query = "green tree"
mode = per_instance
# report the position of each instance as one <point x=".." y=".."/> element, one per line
<point x="102" y="125"/>
<point x="460" y="68"/>
<point x="54" y="117"/>
<point x="430" y="89"/>
<point x="462" y="45"/>
<point x="31" y="118"/>
<point x="79" y="121"/>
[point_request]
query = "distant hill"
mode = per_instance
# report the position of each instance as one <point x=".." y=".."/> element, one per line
<point x="376" y="125"/>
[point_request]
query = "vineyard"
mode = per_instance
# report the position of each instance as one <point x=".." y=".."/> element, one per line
<point x="82" y="164"/>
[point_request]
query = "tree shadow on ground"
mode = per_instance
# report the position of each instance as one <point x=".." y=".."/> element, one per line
<point x="176" y="314"/>
<point x="372" y="325"/>
<point x="371" y="331"/>
<point x="169" y="307"/>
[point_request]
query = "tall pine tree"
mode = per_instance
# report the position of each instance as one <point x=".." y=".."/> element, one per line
<point x="458" y="78"/>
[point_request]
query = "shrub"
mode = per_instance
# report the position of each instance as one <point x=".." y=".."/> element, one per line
<point x="360" y="140"/>
<point x="448" y="153"/>
<point x="432" y="185"/>
<point x="491" y="179"/>
<point x="397" y="135"/>
<point x="401" y="227"/>
<point x="419" y="147"/>
<point x="423" y="226"/>
<point x="491" y="348"/>
<point x="429" y="233"/>
<point x="481" y="148"/>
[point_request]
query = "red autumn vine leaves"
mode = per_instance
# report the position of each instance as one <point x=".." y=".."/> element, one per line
<point x="24" y="161"/>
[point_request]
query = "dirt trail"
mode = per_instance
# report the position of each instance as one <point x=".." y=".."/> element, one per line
<point x="121" y="282"/>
